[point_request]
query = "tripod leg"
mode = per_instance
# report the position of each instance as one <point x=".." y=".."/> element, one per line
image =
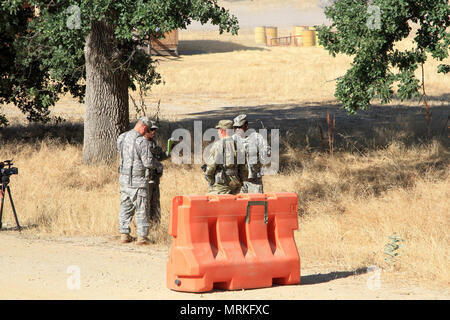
<point x="1" y="205"/>
<point x="14" y="209"/>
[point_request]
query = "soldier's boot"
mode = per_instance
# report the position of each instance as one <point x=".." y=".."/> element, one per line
<point x="125" y="238"/>
<point x="142" y="241"/>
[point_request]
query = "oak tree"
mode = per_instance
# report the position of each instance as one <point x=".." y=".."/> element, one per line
<point x="91" y="48"/>
<point x="368" y="30"/>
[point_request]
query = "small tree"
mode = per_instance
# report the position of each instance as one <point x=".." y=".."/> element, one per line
<point x="90" y="48"/>
<point x="368" y="31"/>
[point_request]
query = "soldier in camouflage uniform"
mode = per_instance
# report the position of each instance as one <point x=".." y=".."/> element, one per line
<point x="256" y="152"/>
<point x="223" y="171"/>
<point x="136" y="160"/>
<point x="153" y="203"/>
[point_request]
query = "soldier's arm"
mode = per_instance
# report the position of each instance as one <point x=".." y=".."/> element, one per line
<point x="147" y="158"/>
<point x="211" y="167"/>
<point x="264" y="150"/>
<point x="120" y="141"/>
<point x="210" y="173"/>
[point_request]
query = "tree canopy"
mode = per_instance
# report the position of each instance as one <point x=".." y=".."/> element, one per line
<point x="24" y="80"/>
<point x="369" y="30"/>
<point x="43" y="42"/>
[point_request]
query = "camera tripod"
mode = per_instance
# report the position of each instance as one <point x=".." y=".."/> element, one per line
<point x="5" y="189"/>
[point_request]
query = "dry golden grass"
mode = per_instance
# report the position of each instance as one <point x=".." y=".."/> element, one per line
<point x="349" y="204"/>
<point x="55" y="194"/>
<point x="356" y="236"/>
<point x="215" y="71"/>
<point x="241" y="71"/>
<point x="234" y="68"/>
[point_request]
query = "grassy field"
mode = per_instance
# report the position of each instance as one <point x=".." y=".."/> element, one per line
<point x="386" y="175"/>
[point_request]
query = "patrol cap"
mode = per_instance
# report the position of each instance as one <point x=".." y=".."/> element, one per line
<point x="149" y="123"/>
<point x="240" y="120"/>
<point x="153" y="125"/>
<point x="225" y="124"/>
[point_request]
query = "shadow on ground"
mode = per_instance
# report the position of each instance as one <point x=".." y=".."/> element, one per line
<point x="193" y="47"/>
<point x="314" y="278"/>
<point x="65" y="132"/>
<point x="305" y="125"/>
<point x="327" y="277"/>
<point x="300" y="125"/>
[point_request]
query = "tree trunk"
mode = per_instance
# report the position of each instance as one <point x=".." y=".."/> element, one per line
<point x="107" y="113"/>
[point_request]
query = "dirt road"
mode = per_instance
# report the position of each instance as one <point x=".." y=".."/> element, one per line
<point x="38" y="268"/>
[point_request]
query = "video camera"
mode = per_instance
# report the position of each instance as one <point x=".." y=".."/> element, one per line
<point x="10" y="170"/>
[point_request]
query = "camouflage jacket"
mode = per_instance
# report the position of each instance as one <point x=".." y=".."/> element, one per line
<point x="256" y="150"/>
<point x="223" y="166"/>
<point x="158" y="156"/>
<point x="136" y="160"/>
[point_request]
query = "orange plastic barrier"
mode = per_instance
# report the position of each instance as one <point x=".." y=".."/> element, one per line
<point x="233" y="242"/>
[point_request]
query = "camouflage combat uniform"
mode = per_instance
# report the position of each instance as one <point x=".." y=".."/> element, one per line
<point x="153" y="203"/>
<point x="136" y="160"/>
<point x="256" y="152"/>
<point x="223" y="172"/>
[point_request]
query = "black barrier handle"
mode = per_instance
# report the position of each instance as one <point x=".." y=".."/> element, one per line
<point x="256" y="203"/>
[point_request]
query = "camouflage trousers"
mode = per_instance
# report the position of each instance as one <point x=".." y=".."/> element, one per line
<point x="153" y="205"/>
<point x="222" y="189"/>
<point x="133" y="200"/>
<point x="254" y="185"/>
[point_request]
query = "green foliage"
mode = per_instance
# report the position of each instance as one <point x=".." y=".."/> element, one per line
<point x="23" y="81"/>
<point x="377" y="65"/>
<point x="392" y="248"/>
<point x="42" y="55"/>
